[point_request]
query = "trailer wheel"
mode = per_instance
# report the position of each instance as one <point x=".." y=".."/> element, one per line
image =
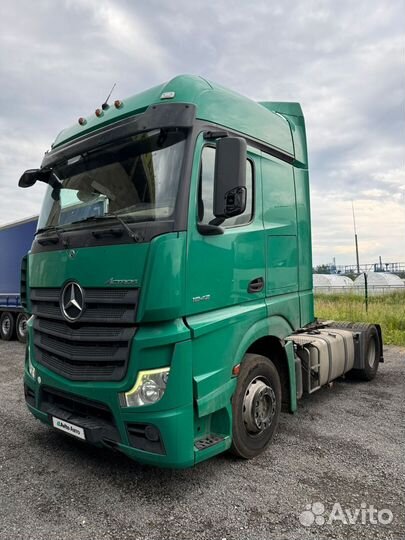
<point x="7" y="326"/>
<point x="256" y="406"/>
<point x="372" y="357"/>
<point x="21" y="327"/>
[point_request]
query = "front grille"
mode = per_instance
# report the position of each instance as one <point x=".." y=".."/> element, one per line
<point x="78" y="371"/>
<point x="89" y="414"/>
<point x="96" y="348"/>
<point x="101" y="305"/>
<point x="75" y="405"/>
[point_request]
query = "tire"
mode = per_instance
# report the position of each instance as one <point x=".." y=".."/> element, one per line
<point x="372" y="356"/>
<point x="256" y="406"/>
<point x="7" y="326"/>
<point x="21" y="327"/>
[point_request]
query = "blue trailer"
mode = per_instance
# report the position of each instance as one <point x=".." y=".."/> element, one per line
<point x="15" y="240"/>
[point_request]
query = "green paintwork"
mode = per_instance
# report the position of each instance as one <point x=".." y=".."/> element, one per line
<point x="213" y="102"/>
<point x="91" y="267"/>
<point x="162" y="298"/>
<point x="201" y="340"/>
<point x="293" y="113"/>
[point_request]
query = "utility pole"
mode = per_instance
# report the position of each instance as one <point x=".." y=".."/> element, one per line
<point x="355" y="240"/>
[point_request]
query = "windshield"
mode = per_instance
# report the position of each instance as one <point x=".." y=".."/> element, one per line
<point x="137" y="178"/>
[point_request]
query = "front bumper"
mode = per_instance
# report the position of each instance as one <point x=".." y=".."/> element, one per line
<point x="164" y="439"/>
<point x="95" y="406"/>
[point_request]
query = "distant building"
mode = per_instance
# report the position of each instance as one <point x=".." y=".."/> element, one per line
<point x="332" y="284"/>
<point x="380" y="282"/>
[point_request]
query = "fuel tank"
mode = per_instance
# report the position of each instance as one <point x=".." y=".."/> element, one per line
<point x="325" y="355"/>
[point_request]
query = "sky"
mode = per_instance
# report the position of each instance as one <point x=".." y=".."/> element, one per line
<point x="343" y="61"/>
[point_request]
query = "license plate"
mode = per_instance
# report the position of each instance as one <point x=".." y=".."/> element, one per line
<point x="67" y="427"/>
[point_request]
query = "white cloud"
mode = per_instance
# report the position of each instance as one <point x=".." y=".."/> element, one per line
<point x="343" y="61"/>
<point x="126" y="33"/>
<point x="380" y="227"/>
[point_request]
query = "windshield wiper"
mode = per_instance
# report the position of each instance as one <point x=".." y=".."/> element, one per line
<point x="52" y="239"/>
<point x="135" y="236"/>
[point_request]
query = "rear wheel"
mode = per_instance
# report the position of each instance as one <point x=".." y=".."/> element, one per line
<point x="256" y="406"/>
<point x="7" y="326"/>
<point x="21" y="327"/>
<point x="371" y="357"/>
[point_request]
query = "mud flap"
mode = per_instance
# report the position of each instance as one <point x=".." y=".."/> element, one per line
<point x="289" y="350"/>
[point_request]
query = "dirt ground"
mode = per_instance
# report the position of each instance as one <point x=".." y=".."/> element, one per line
<point x="342" y="450"/>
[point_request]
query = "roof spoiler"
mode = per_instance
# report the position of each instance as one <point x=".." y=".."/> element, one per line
<point x="293" y="113"/>
<point x="286" y="108"/>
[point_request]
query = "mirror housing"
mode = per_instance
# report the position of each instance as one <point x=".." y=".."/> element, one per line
<point x="31" y="176"/>
<point x="230" y="177"/>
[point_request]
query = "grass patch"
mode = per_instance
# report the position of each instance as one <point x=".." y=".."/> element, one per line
<point x="387" y="310"/>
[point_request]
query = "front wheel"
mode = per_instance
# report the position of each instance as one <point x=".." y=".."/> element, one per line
<point x="256" y="406"/>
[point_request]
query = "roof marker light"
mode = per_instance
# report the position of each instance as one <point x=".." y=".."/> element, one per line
<point x="168" y="95"/>
<point x="82" y="121"/>
<point x="118" y="104"/>
<point x="99" y="113"/>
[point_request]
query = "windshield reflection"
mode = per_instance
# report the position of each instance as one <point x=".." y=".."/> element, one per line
<point x="137" y="178"/>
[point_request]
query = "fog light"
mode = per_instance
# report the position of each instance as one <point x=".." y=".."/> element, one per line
<point x="149" y="388"/>
<point x="151" y="433"/>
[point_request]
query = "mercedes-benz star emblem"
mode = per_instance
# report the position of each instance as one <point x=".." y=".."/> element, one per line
<point x="72" y="301"/>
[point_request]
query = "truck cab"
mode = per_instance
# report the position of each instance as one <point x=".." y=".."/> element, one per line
<point x="170" y="280"/>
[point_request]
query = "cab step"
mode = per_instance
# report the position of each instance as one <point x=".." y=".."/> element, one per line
<point x="209" y="440"/>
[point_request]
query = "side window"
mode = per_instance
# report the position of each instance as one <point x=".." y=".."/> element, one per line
<point x="206" y="191"/>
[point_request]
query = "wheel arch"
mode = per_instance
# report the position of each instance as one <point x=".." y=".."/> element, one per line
<point x="272" y="348"/>
<point x="267" y="339"/>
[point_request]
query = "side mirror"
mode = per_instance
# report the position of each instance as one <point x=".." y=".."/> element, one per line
<point x="29" y="178"/>
<point x="230" y="177"/>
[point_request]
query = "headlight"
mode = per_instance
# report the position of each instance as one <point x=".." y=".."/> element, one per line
<point x="149" y="388"/>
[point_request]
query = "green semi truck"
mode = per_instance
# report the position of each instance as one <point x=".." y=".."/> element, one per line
<point x="169" y="284"/>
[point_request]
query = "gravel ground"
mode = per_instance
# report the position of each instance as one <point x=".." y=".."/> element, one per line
<point x="343" y="446"/>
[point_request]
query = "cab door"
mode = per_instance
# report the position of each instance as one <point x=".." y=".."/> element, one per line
<point x="226" y="269"/>
<point x="280" y="224"/>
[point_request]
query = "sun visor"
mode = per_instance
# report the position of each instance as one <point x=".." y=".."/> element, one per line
<point x="165" y="115"/>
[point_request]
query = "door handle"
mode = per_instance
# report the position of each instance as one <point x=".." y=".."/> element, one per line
<point x="256" y="285"/>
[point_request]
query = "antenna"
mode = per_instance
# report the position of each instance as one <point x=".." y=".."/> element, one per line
<point x="105" y="105"/>
<point x="355" y="240"/>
